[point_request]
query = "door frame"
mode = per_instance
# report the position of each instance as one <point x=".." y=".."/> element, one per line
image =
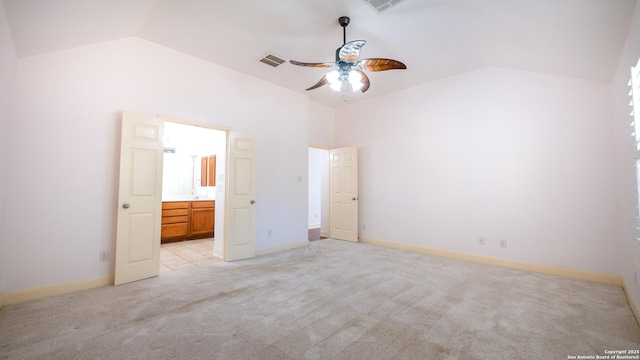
<point x="328" y="196"/>
<point x="162" y="119"/>
<point x="226" y="130"/>
<point x="325" y="199"/>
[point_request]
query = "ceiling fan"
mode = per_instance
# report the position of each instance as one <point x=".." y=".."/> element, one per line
<point x="348" y="68"/>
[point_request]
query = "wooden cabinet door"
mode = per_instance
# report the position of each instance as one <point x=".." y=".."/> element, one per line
<point x="202" y="221"/>
<point x="212" y="170"/>
<point x="204" y="170"/>
<point x="208" y="170"/>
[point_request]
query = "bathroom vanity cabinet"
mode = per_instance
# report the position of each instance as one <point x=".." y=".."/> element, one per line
<point x="187" y="220"/>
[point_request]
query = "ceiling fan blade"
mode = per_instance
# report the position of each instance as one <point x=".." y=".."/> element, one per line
<point x="311" y="64"/>
<point x="380" y="64"/>
<point x="365" y="80"/>
<point x="351" y="50"/>
<point x="322" y="82"/>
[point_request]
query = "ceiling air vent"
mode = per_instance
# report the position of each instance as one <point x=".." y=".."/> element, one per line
<point x="382" y="5"/>
<point x="272" y="60"/>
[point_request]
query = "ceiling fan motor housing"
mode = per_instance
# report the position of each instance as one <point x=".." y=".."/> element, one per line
<point x="345" y="69"/>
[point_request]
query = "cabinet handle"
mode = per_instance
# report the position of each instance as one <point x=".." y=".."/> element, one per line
<point x="126" y="205"/>
<point x="253" y="202"/>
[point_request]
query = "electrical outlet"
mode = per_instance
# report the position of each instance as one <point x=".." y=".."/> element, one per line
<point x="503" y="243"/>
<point x="268" y="233"/>
<point x="104" y="256"/>
<point x="364" y="226"/>
<point x="481" y="240"/>
<point x="316" y="216"/>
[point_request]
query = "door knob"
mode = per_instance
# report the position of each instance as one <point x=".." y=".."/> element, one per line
<point x="126" y="205"/>
<point x="354" y="199"/>
<point x="253" y="202"/>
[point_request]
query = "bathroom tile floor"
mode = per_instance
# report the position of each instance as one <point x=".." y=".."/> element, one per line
<point x="188" y="254"/>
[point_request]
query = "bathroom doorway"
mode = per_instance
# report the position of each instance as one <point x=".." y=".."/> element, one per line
<point x="192" y="190"/>
<point x="318" y="212"/>
<point x="140" y="205"/>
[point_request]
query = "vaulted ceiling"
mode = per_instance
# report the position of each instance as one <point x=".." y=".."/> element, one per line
<point x="434" y="38"/>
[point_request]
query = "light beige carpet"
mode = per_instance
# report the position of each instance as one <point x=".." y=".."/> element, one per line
<point x="330" y="300"/>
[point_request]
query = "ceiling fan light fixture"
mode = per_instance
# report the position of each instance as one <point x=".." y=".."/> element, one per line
<point x="333" y="77"/>
<point x="355" y="79"/>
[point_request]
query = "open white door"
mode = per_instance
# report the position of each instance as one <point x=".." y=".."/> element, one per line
<point x="343" y="194"/>
<point x="241" y="216"/>
<point x="140" y="198"/>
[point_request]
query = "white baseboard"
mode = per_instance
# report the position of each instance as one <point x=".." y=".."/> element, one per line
<point x="539" y="268"/>
<point x="217" y="252"/>
<point x="314" y="226"/>
<point x="289" y="246"/>
<point x="324" y="233"/>
<point x="15" y="297"/>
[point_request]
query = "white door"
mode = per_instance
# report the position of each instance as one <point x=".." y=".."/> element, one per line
<point x="140" y="198"/>
<point x="241" y="216"/>
<point x="343" y="194"/>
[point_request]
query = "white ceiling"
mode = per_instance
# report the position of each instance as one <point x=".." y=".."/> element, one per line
<point x="434" y="38"/>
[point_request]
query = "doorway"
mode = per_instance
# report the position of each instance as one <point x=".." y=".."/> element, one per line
<point x="318" y="212"/>
<point x="192" y="161"/>
<point x="140" y="205"/>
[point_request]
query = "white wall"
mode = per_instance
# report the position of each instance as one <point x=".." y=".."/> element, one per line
<point x="321" y="125"/>
<point x="625" y="161"/>
<point x="65" y="143"/>
<point x="7" y="82"/>
<point x="497" y="153"/>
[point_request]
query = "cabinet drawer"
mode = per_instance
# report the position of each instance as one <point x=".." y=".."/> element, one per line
<point x="174" y="219"/>
<point x="203" y="204"/>
<point x="173" y="230"/>
<point x="175" y="205"/>
<point x="176" y="212"/>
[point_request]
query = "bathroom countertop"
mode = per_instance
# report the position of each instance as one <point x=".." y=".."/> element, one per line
<point x="186" y="198"/>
